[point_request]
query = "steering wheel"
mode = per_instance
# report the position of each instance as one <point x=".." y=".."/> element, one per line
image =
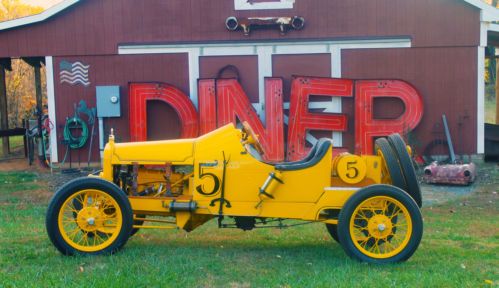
<point x="251" y="138"/>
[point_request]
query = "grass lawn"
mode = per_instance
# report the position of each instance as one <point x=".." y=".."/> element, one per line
<point x="460" y="248"/>
<point x="490" y="111"/>
<point x="15" y="143"/>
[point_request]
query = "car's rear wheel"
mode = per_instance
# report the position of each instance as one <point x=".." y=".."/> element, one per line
<point x="407" y="167"/>
<point x="390" y="168"/>
<point x="380" y="224"/>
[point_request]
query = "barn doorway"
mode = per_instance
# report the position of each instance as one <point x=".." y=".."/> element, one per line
<point x="23" y="103"/>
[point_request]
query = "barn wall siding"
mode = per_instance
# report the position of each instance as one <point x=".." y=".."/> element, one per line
<point x="433" y="71"/>
<point x="120" y="70"/>
<point x="445" y="77"/>
<point x="96" y="27"/>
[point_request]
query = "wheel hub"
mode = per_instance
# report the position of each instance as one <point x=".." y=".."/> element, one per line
<point x="380" y="226"/>
<point x="88" y="219"/>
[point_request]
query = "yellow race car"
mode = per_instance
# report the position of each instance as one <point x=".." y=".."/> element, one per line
<point x="368" y="203"/>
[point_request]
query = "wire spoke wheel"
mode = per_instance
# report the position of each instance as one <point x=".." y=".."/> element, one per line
<point x="89" y="216"/>
<point x="377" y="235"/>
<point x="380" y="224"/>
<point x="97" y="223"/>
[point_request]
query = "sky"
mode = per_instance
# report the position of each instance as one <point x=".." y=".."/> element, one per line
<point x="41" y="3"/>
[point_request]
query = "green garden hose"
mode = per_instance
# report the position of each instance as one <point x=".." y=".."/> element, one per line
<point x="76" y="142"/>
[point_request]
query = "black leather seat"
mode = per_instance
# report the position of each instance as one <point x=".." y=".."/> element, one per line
<point x="314" y="156"/>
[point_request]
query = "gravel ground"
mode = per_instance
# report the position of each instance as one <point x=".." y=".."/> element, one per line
<point x="57" y="178"/>
<point x="487" y="179"/>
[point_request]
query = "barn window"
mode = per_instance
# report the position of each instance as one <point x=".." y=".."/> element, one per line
<point x="263" y="4"/>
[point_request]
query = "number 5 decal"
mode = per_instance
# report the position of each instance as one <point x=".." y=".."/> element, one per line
<point x="202" y="174"/>
<point x="351" y="169"/>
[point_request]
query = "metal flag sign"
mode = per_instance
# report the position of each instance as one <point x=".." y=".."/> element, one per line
<point x="74" y="73"/>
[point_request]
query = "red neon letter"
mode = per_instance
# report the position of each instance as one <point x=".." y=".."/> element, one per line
<point x="301" y="120"/>
<point x="367" y="127"/>
<point x="140" y="93"/>
<point x="207" y="106"/>
<point x="233" y="103"/>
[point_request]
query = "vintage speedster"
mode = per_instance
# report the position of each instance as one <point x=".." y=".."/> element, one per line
<point x="368" y="203"/>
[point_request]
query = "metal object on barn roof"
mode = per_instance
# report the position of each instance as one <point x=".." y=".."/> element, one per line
<point x="248" y="23"/>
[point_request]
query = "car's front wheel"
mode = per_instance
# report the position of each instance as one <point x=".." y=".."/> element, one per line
<point x="89" y="216"/>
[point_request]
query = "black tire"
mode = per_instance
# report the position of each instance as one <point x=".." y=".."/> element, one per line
<point x="75" y="186"/>
<point x="391" y="162"/>
<point x="387" y="191"/>
<point x="333" y="231"/>
<point x="407" y="167"/>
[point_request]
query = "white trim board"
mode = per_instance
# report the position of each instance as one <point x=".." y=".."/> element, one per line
<point x="493" y="27"/>
<point x="265" y="51"/>
<point x="480" y="96"/>
<point x="49" y="74"/>
<point x="480" y="118"/>
<point x="38" y="17"/>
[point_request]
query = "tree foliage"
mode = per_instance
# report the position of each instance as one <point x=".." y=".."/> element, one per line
<point x="12" y="9"/>
<point x="20" y="81"/>
<point x="493" y="3"/>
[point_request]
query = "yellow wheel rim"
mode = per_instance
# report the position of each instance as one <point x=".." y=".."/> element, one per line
<point x="90" y="220"/>
<point x="380" y="227"/>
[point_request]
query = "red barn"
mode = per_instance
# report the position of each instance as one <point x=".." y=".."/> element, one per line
<point x="433" y="49"/>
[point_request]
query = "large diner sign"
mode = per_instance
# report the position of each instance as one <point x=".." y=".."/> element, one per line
<point x="222" y="101"/>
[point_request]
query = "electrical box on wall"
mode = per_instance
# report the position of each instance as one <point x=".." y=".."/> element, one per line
<point x="108" y="101"/>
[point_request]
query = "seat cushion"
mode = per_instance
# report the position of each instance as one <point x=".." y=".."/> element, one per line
<point x="322" y="147"/>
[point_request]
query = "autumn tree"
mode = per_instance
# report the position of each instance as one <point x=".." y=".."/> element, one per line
<point x="20" y="81"/>
<point x="12" y="9"/>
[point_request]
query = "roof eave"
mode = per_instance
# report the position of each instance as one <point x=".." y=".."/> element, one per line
<point x="489" y="13"/>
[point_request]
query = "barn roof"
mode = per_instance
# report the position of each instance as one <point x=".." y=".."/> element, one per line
<point x="489" y="14"/>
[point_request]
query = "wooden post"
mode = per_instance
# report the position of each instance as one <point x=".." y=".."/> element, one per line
<point x="4" y="117"/>
<point x="36" y="63"/>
